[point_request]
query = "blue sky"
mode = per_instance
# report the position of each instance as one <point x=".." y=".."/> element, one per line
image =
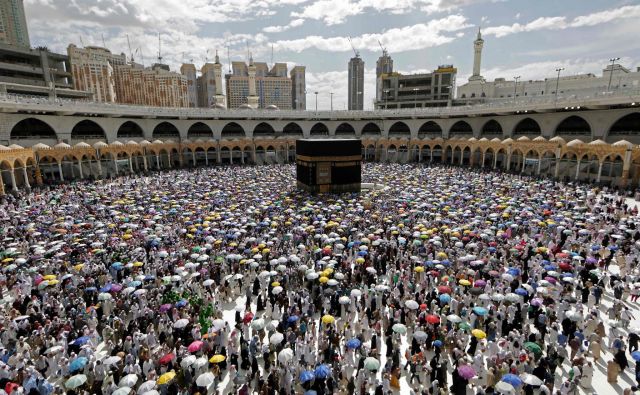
<point x="529" y="38"/>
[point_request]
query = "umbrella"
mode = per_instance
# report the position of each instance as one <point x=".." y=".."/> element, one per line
<point x="217" y="358"/>
<point x="432" y="319"/>
<point x="166" y="359"/>
<point x="78" y="364"/>
<point x="454" y="318"/>
<point x="478" y="334"/>
<point x="466" y="372"/>
<point x="187" y="361"/>
<point x="437" y="343"/>
<point x="344" y="300"/>
<point x="322" y="372"/>
<point x="420" y="336"/>
<point x="399" y="328"/>
<point x="307" y="375"/>
<point x="205" y="379"/>
<point x="166" y="378"/>
<point x="444" y="298"/>
<point x="504" y="387"/>
<point x="412" y="304"/>
<point x="111" y="360"/>
<point x="276" y="338"/>
<point x="480" y="310"/>
<point x="122" y="391"/>
<point x="328" y="319"/>
<point x="531" y="379"/>
<point x="128" y="381"/>
<point x="370" y="363"/>
<point x="195" y="346"/>
<point x="512" y="379"/>
<point x="533" y="347"/>
<point x="81" y="341"/>
<point x="356" y="293"/>
<point x="285" y="356"/>
<point x="147" y="386"/>
<point x="635" y="355"/>
<point x="353" y="343"/>
<point x="181" y="323"/>
<point x="75" y="381"/>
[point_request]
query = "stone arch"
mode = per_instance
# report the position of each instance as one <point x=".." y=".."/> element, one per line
<point x="87" y="130"/>
<point x="430" y="129"/>
<point x="573" y="126"/>
<point x="371" y="129"/>
<point x="345" y="129"/>
<point x="199" y="130"/>
<point x="292" y="128"/>
<point x="491" y="129"/>
<point x="399" y="128"/>
<point x="32" y="128"/>
<point x="627" y="126"/>
<point x="129" y="129"/>
<point x="232" y="130"/>
<point x="263" y="129"/>
<point x="319" y="129"/>
<point x="526" y="127"/>
<point x="166" y="131"/>
<point x="460" y="128"/>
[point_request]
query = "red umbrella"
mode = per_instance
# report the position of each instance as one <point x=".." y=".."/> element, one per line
<point x="433" y="319"/>
<point x="248" y="318"/>
<point x="166" y="359"/>
<point x="565" y="266"/>
<point x="423" y="306"/>
<point x="195" y="346"/>
<point x="443" y="289"/>
<point x="434" y="273"/>
<point x="562" y="255"/>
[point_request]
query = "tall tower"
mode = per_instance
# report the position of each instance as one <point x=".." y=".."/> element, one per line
<point x="477" y="57"/>
<point x="189" y="71"/>
<point x="384" y="66"/>
<point x="298" y="88"/>
<point x="252" y="99"/>
<point x="217" y="70"/>
<point x="13" y="23"/>
<point x="356" y="83"/>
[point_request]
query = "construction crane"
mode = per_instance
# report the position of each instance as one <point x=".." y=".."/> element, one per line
<point x="356" y="52"/>
<point x="384" y="50"/>
<point x="130" y="51"/>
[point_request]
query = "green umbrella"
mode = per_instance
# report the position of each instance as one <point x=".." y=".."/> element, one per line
<point x="76" y="381"/>
<point x="464" y="325"/>
<point x="533" y="347"/>
<point x="371" y="364"/>
<point x="399" y="328"/>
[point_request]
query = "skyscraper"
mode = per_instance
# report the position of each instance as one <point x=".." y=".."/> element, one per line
<point x="298" y="88"/>
<point x="384" y="67"/>
<point x="189" y="71"/>
<point x="258" y="87"/>
<point x="356" y="83"/>
<point x="13" y="23"/>
<point x="93" y="71"/>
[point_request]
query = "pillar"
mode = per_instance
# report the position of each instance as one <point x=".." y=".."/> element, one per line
<point x="626" y="165"/>
<point x="287" y="153"/>
<point x="100" y="167"/>
<point x="242" y="156"/>
<point x="26" y="178"/>
<point x="431" y="157"/>
<point x="253" y="154"/>
<point x="157" y="161"/>
<point x="38" y="175"/>
<point x="80" y="168"/>
<point x="1" y="185"/>
<point x="495" y="159"/>
<point x="193" y="157"/>
<point x="115" y="162"/>
<point x="539" y="164"/>
<point x="484" y="153"/>
<point x="144" y="163"/>
<point x="524" y="163"/>
<point x="130" y="164"/>
<point x="13" y="179"/>
<point x="60" y="171"/>
<point x="206" y="157"/>
<point x="218" y="154"/>
<point x="578" y="169"/>
<point x="169" y="157"/>
<point x="508" y="161"/>
<point x="599" y="171"/>
<point x="230" y="156"/>
<point x="557" y="169"/>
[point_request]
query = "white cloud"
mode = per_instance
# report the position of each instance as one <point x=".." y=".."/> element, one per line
<point x="406" y="38"/>
<point x="336" y="81"/>
<point x="561" y="22"/>
<point x="282" y="28"/>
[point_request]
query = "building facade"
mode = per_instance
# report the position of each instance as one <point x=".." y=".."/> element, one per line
<point x="189" y="72"/>
<point x="417" y="90"/>
<point x="13" y="24"/>
<point x="93" y="70"/>
<point x="355" y="90"/>
<point x="151" y="86"/>
<point x="384" y="66"/>
<point x="257" y="86"/>
<point x="298" y="88"/>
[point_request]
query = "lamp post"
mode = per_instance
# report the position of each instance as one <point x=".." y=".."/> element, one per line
<point x="386" y="97"/>
<point x="331" y="93"/>
<point x="613" y="63"/>
<point x="316" y="103"/>
<point x="559" y="69"/>
<point x="415" y="98"/>
<point x="515" y="86"/>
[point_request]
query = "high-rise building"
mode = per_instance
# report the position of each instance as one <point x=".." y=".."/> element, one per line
<point x="384" y="66"/>
<point x="477" y="57"/>
<point x="418" y="90"/>
<point x="356" y="83"/>
<point x="151" y="86"/>
<point x="258" y="87"/>
<point x="92" y="69"/>
<point x="189" y="71"/>
<point x="298" y="88"/>
<point x="13" y="23"/>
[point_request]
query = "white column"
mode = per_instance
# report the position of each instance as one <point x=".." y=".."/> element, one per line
<point x="206" y="157"/>
<point x="193" y="156"/>
<point x="130" y="164"/>
<point x="60" y="171"/>
<point x="578" y="169"/>
<point x="599" y="171"/>
<point x="80" y="168"/>
<point x="218" y="154"/>
<point x="484" y="153"/>
<point x="431" y="156"/>
<point x="524" y="162"/>
<point x="100" y="166"/>
<point x="539" y="164"/>
<point x="144" y="162"/>
<point x="14" y="184"/>
<point x="26" y="178"/>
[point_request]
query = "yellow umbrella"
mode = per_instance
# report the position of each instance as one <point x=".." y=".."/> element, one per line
<point x="138" y="264"/>
<point x="49" y="277"/>
<point x="328" y="319"/>
<point x="275" y="284"/>
<point x="167" y="377"/>
<point x="479" y="334"/>
<point x="53" y="282"/>
<point x="79" y="266"/>
<point x="418" y="269"/>
<point x="6" y="260"/>
<point x="359" y="260"/>
<point x="323" y="279"/>
<point x="464" y="282"/>
<point x="266" y="251"/>
<point x="217" y="358"/>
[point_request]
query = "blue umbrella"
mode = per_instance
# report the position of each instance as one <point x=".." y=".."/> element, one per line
<point x="635" y="355"/>
<point x="181" y="303"/>
<point x="444" y="298"/>
<point x="90" y="289"/>
<point x="322" y="372"/>
<point x="80" y="341"/>
<point x="307" y="375"/>
<point x="292" y="319"/>
<point x="480" y="310"/>
<point x="106" y="288"/>
<point x="514" y="271"/>
<point x="78" y="364"/>
<point x="521" y="292"/>
<point x="354" y="343"/>
<point x="549" y="268"/>
<point x="446" y="262"/>
<point x="117" y="266"/>
<point x="512" y="379"/>
<point x="437" y="343"/>
<point x="311" y="392"/>
<point x="362" y="253"/>
<point x="135" y="284"/>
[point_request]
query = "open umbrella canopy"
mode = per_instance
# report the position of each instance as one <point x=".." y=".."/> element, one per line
<point x="466" y="371"/>
<point x="75" y="381"/>
<point x="353" y="343"/>
<point x="371" y="363"/>
<point x="205" y="379"/>
<point x="322" y="371"/>
<point x="217" y="358"/>
<point x="195" y="346"/>
<point x="307" y="375"/>
<point x="78" y="364"/>
<point x="512" y="379"/>
<point x="533" y="347"/>
<point x="166" y="378"/>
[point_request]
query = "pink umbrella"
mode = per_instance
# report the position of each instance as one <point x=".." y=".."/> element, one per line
<point x="466" y="371"/>
<point x="165" y="307"/>
<point x="195" y="346"/>
<point x="479" y="283"/>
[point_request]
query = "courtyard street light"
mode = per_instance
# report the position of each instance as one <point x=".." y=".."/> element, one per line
<point x="613" y="63"/>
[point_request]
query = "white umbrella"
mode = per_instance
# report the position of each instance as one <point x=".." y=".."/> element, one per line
<point x="412" y="304"/>
<point x="200" y="362"/>
<point x="420" y="336"/>
<point x="356" y="293"/>
<point x="217" y="324"/>
<point x="122" y="391"/>
<point x="258" y="324"/>
<point x="272" y="325"/>
<point x="128" y="381"/>
<point x="399" y="328"/>
<point x="187" y="361"/>
<point x="152" y="392"/>
<point x="181" y="323"/>
<point x="504" y="388"/>
<point x="454" y="318"/>
<point x="276" y="338"/>
<point x="277" y="290"/>
<point x="344" y="300"/>
<point x="208" y="282"/>
<point x="530" y="379"/>
<point x="111" y="360"/>
<point x="285" y="356"/>
<point x="205" y="379"/>
<point x="147" y="386"/>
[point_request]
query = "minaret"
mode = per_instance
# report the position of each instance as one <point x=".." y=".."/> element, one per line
<point x="477" y="57"/>
<point x="252" y="99"/>
<point x="217" y="72"/>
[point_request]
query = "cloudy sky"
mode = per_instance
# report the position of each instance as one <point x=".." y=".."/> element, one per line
<point x="529" y="38"/>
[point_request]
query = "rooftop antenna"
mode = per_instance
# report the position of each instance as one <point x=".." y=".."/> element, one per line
<point x="130" y="52"/>
<point x="159" y="49"/>
<point x="141" y="55"/>
<point x="104" y="45"/>
<point x="229" y="58"/>
<point x="81" y="42"/>
<point x="272" y="54"/>
<point x="206" y="57"/>
<point x="354" y="48"/>
<point x="247" y="44"/>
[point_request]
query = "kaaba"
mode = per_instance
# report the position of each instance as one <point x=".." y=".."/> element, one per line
<point x="329" y="165"/>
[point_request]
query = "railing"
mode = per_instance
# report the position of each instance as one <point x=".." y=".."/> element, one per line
<point x="627" y="96"/>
